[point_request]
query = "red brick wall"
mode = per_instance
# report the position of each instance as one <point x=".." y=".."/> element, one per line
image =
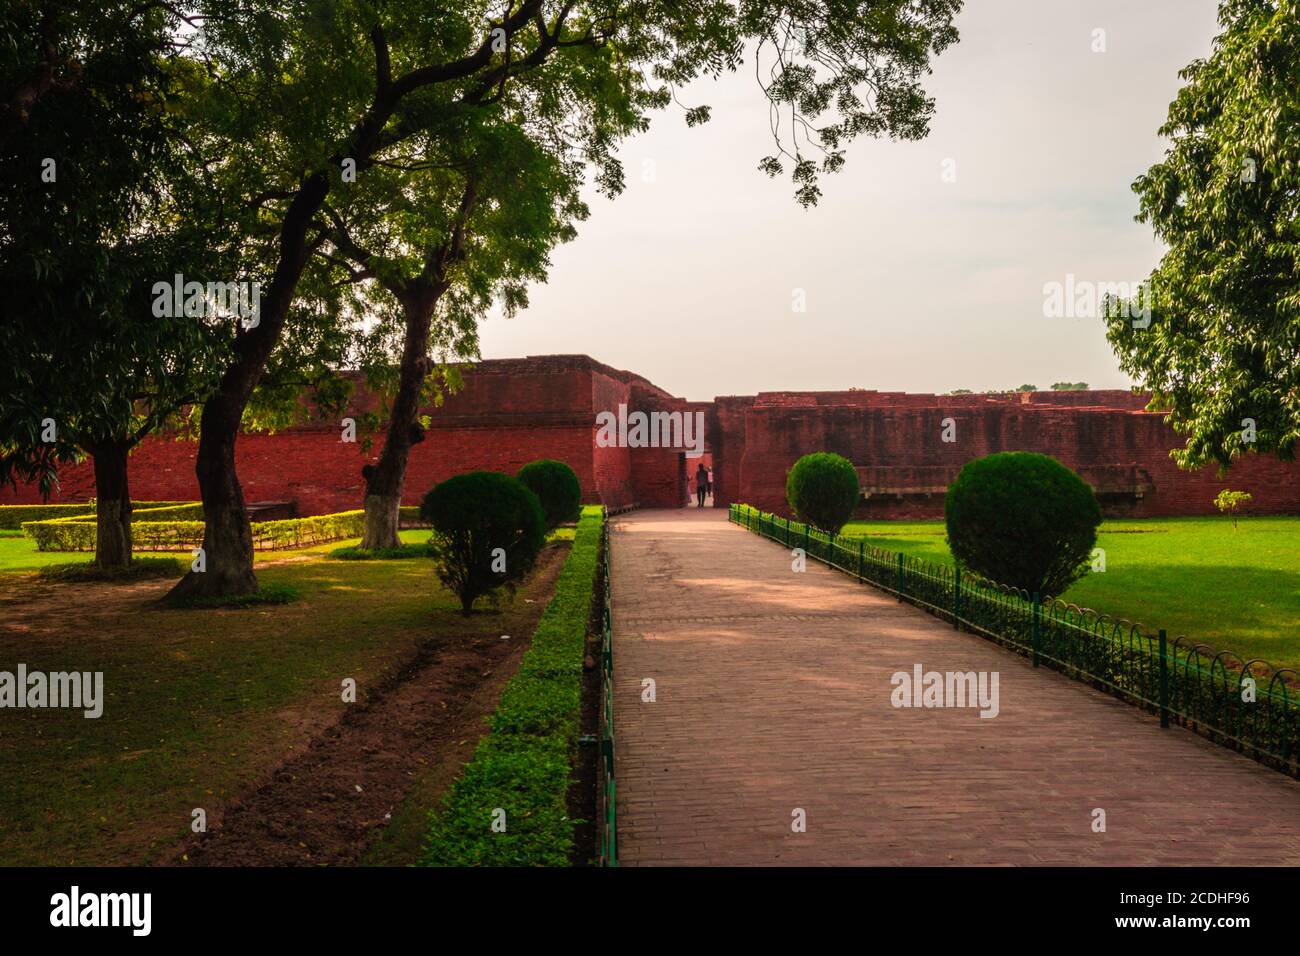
<point x="899" y="448"/>
<point x="726" y="428"/>
<point x="659" y="475"/>
<point x="509" y="412"/>
<point x="515" y="410"/>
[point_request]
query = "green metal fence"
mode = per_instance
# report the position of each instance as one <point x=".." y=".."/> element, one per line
<point x="1183" y="681"/>
<point x="608" y="804"/>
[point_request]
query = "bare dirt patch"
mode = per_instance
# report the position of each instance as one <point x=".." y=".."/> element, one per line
<point x="29" y="605"/>
<point x="326" y="805"/>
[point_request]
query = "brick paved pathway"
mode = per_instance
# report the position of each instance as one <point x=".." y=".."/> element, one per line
<point x="773" y="693"/>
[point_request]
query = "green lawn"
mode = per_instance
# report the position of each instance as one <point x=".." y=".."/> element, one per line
<point x="1193" y="576"/>
<point x="18" y="552"/>
<point x="199" y="704"/>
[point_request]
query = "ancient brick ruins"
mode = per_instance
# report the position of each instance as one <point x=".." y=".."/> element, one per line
<point x="512" y="411"/>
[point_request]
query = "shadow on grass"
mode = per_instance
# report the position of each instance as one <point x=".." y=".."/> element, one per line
<point x="86" y="572"/>
<point x="382" y="554"/>
<point x="265" y="594"/>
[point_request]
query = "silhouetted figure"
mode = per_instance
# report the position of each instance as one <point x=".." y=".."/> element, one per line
<point x="701" y="483"/>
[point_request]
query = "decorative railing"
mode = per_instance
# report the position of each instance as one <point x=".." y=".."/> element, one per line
<point x="1247" y="705"/>
<point x="607" y="808"/>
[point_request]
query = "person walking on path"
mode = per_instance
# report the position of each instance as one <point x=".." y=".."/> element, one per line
<point x="701" y="483"/>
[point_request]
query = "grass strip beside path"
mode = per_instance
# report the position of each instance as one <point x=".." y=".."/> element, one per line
<point x="1195" y="576"/>
<point x="522" y="769"/>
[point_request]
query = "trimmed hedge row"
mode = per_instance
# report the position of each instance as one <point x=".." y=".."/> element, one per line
<point x="304" y="532"/>
<point x="12" y="517"/>
<point x="15" y="516"/>
<point x="76" y="535"/>
<point x="185" y="512"/>
<point x="71" y="535"/>
<point x="524" y="765"/>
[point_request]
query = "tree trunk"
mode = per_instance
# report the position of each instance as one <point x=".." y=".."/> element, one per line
<point x="385" y="481"/>
<point x="227" y="536"/>
<point x="382" y="521"/>
<point x="112" y="506"/>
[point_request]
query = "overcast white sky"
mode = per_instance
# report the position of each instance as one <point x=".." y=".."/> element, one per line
<point x="912" y="284"/>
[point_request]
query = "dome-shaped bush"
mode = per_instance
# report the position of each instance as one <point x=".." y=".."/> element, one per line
<point x="822" y="490"/>
<point x="556" y="486"/>
<point x="475" y="514"/>
<point x="1022" y="519"/>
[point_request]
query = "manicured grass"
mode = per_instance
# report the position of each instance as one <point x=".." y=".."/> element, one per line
<point x="406" y="551"/>
<point x="415" y="544"/>
<point x="18" y="552"/>
<point x="199" y="704"/>
<point x="142" y="567"/>
<point x="267" y="593"/>
<point x="523" y="768"/>
<point x="1194" y="576"/>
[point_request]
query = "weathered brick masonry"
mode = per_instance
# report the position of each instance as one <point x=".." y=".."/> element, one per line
<point x="512" y="411"/>
<point x="896" y="441"/>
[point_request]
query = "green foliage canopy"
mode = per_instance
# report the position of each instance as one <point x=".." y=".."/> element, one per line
<point x="1022" y="519"/>
<point x="557" y="488"/>
<point x="822" y="489"/>
<point x="487" y="532"/>
<point x="1223" y="344"/>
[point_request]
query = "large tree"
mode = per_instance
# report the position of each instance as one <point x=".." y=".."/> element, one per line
<point x="1221" y="351"/>
<point x="465" y="219"/>
<point x="95" y="173"/>
<point x="308" y="95"/>
<point x="110" y="190"/>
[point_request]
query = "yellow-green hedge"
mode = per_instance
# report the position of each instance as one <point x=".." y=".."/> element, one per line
<point x="12" y="517"/>
<point x="141" y="512"/>
<point x="304" y="532"/>
<point x="65" y="535"/>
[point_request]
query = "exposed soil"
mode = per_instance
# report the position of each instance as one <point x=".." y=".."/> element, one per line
<point x="31" y="605"/>
<point x="325" y="806"/>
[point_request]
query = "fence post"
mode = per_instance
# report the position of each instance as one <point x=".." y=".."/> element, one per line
<point x="1164" y="681"/>
<point x="900" y="576"/>
<point x="1035" y="634"/>
<point x="956" y="597"/>
<point x="862" y="542"/>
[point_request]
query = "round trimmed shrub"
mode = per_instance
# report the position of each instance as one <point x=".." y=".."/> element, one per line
<point x="1022" y="519"/>
<point x="556" y="486"/>
<point x="472" y="516"/>
<point x="822" y="490"/>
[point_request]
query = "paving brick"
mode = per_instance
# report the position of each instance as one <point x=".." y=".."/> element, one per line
<point x="773" y="692"/>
